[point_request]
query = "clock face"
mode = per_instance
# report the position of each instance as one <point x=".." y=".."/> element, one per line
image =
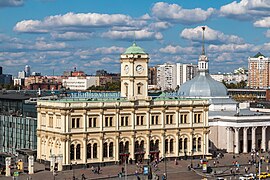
<point x="126" y="69"/>
<point x="139" y="69"/>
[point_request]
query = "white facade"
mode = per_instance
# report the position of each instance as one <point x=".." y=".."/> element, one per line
<point x="21" y="74"/>
<point x="229" y="77"/>
<point x="166" y="76"/>
<point x="185" y="72"/>
<point x="169" y="76"/>
<point x="80" y="83"/>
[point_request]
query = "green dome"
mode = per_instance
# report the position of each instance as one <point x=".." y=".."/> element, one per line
<point x="134" y="49"/>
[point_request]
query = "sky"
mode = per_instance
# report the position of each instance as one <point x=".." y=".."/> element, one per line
<point x="53" y="36"/>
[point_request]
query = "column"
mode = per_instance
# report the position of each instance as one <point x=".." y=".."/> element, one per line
<point x="263" y="146"/>
<point x="147" y="149"/>
<point x="229" y="141"/>
<point x="163" y="137"/>
<point x="253" y="138"/>
<point x="162" y="118"/>
<point x="67" y="153"/>
<point x="148" y="119"/>
<point x="84" y="149"/>
<point x="116" y="149"/>
<point x="177" y="144"/>
<point x="245" y="140"/>
<point x="131" y="147"/>
<point x="133" y="119"/>
<point x="101" y="121"/>
<point x="101" y="149"/>
<point x="177" y="118"/>
<point x="236" y="140"/>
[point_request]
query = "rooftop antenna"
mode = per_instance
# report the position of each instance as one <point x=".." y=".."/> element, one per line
<point x="134" y="37"/>
<point x="203" y="50"/>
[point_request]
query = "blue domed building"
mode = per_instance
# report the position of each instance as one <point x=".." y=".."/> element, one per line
<point x="204" y="86"/>
<point x="233" y="127"/>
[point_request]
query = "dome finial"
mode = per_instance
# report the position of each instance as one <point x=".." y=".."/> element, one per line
<point x="203" y="50"/>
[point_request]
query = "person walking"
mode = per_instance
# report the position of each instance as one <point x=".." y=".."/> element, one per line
<point x="164" y="177"/>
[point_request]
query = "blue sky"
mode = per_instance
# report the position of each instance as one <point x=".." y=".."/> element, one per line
<point x="58" y="35"/>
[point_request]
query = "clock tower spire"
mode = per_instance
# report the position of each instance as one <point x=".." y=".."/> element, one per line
<point x="134" y="73"/>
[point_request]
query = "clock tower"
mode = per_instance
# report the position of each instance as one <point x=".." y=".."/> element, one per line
<point x="134" y="73"/>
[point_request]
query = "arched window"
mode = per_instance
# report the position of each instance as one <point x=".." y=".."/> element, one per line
<point x="136" y="146"/>
<point x="180" y="145"/>
<point x="126" y="146"/>
<point x="121" y="147"/>
<point x="95" y="150"/>
<point x="78" y="151"/>
<point x="171" y="145"/>
<point x="199" y="144"/>
<point x="166" y="146"/>
<point x="152" y="145"/>
<point x="72" y="152"/>
<point x="142" y="145"/>
<point x="194" y="144"/>
<point x="185" y="144"/>
<point x="111" y="149"/>
<point x="157" y="145"/>
<point x="105" y="149"/>
<point x="89" y="151"/>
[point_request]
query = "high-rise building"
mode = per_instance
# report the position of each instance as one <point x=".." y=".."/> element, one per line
<point x="27" y="70"/>
<point x="185" y="72"/>
<point x="166" y="76"/>
<point x="258" y="71"/>
<point x="171" y="76"/>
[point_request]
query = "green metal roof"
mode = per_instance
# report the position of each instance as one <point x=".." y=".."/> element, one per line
<point x="258" y="55"/>
<point x="134" y="49"/>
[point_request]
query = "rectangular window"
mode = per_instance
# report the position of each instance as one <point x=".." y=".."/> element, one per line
<point x="139" y="89"/>
<point x="43" y="120"/>
<point x="169" y="119"/>
<point x="122" y="121"/>
<point x="157" y="120"/>
<point x="58" y="121"/>
<point x="90" y="120"/>
<point x="152" y="120"/>
<point x="73" y="123"/>
<point x="140" y="120"/>
<point x="183" y="118"/>
<point x="106" y="121"/>
<point x="94" y="122"/>
<point x="126" y="121"/>
<point x="77" y="122"/>
<point x="111" y="121"/>
<point x="50" y="121"/>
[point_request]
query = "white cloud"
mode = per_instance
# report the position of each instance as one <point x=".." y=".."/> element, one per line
<point x="11" y="3"/>
<point x="42" y="45"/>
<point x="159" y="25"/>
<point x="211" y="36"/>
<point x="264" y="22"/>
<point x="230" y="48"/>
<point x="170" y="49"/>
<point x="267" y="33"/>
<point x="175" y="13"/>
<point x="130" y="35"/>
<point x="76" y="22"/>
<point x="69" y="36"/>
<point x="246" y="9"/>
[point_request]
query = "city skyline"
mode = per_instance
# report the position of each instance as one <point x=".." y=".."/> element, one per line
<point x="52" y="35"/>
